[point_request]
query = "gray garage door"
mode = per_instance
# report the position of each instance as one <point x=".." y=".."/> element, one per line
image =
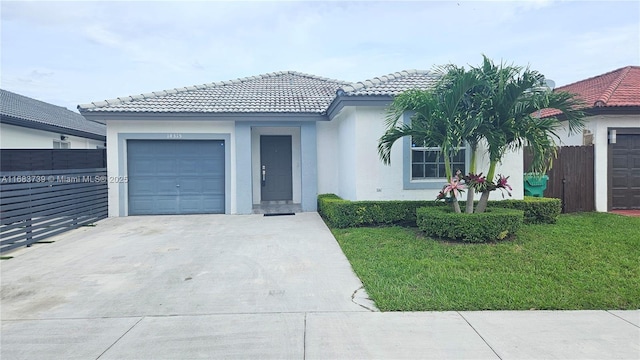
<point x="624" y="170"/>
<point x="176" y="176"/>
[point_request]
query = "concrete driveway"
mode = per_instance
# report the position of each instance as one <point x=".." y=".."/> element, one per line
<point x="170" y="272"/>
<point x="253" y="287"/>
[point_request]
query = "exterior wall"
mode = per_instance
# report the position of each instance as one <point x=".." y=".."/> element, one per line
<point x="337" y="155"/>
<point x="599" y="126"/>
<point x="18" y="137"/>
<point x="512" y="165"/>
<point x="347" y="155"/>
<point x="361" y="175"/>
<point x="328" y="157"/>
<point x="118" y="131"/>
<point x="304" y="158"/>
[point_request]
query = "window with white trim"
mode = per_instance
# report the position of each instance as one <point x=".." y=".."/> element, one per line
<point x="59" y="144"/>
<point x="428" y="162"/>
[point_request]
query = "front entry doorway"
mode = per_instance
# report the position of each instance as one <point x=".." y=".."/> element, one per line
<point x="275" y="168"/>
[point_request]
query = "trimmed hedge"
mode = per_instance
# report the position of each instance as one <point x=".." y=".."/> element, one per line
<point x="493" y="225"/>
<point x="339" y="213"/>
<point x="536" y="210"/>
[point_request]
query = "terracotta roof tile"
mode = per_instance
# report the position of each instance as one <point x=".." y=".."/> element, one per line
<point x="617" y="88"/>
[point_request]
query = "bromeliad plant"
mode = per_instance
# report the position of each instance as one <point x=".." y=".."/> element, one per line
<point x="491" y="104"/>
<point x="472" y="183"/>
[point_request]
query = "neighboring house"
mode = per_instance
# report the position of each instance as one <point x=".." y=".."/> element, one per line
<point x="273" y="141"/>
<point x="27" y="123"/>
<point x="613" y="128"/>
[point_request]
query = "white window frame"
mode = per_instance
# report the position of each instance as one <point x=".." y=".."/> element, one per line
<point x="60" y="144"/>
<point x="435" y="149"/>
<point x="407" y="163"/>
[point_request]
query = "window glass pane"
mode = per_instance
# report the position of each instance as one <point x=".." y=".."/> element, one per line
<point x="417" y="171"/>
<point x="429" y="163"/>
<point x="418" y="156"/>
<point x="430" y="171"/>
<point x="458" y="157"/>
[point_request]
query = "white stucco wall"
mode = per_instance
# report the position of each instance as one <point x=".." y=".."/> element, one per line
<point x="361" y="173"/>
<point x="328" y="157"/>
<point x="599" y="126"/>
<point x="115" y="127"/>
<point x="347" y="157"/>
<point x="18" y="137"/>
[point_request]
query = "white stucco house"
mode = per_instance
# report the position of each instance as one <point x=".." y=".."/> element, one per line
<point x="27" y="123"/>
<point x="613" y="128"/>
<point x="269" y="141"/>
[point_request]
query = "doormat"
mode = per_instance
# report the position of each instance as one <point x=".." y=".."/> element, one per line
<point x="279" y="214"/>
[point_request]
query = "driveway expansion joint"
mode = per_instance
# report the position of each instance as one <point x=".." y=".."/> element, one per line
<point x="481" y="337"/>
<point x="118" y="339"/>
<point x="621" y="318"/>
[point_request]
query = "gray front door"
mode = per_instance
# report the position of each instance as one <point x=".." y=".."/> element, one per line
<point x="176" y="176"/>
<point x="275" y="167"/>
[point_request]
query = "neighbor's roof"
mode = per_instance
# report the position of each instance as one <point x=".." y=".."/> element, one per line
<point x="278" y="92"/>
<point x="392" y="84"/>
<point x="24" y="111"/>
<point x="618" y="88"/>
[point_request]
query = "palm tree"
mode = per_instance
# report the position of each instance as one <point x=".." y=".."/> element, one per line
<point x="508" y="103"/>
<point x="439" y="118"/>
<point x="496" y="104"/>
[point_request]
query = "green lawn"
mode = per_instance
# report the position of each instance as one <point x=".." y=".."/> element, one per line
<point x="585" y="261"/>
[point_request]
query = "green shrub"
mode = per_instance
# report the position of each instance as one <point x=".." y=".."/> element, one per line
<point x="536" y="210"/>
<point x="339" y="213"/>
<point x="493" y="225"/>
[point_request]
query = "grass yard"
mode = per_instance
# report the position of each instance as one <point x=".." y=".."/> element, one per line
<point x="585" y="261"/>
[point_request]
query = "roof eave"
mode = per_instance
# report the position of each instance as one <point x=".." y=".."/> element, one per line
<point x="10" y="120"/>
<point x="342" y="100"/>
<point x="104" y="116"/>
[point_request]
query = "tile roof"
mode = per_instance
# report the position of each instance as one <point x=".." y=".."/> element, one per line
<point x="34" y="111"/>
<point x="392" y="84"/>
<point x="278" y="92"/>
<point x="617" y="88"/>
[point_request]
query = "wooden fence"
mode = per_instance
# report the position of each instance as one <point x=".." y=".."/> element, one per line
<point x="48" y="192"/>
<point x="571" y="178"/>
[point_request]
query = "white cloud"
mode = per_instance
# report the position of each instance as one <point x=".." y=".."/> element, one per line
<point x="99" y="50"/>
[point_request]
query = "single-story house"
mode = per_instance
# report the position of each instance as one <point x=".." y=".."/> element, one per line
<point x="27" y="123"/>
<point x="272" y="141"/>
<point x="613" y="128"/>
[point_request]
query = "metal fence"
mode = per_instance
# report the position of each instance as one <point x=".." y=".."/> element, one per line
<point x="47" y="192"/>
<point x="51" y="159"/>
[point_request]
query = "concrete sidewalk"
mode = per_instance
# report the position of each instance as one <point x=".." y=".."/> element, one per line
<point x="246" y="287"/>
<point x="331" y="335"/>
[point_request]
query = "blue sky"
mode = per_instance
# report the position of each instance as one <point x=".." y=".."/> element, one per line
<point x="68" y="53"/>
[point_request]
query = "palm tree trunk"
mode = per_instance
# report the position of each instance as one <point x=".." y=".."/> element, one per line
<point x="470" y="191"/>
<point x="447" y="170"/>
<point x="484" y="198"/>
<point x="469" y="207"/>
<point x="456" y="206"/>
